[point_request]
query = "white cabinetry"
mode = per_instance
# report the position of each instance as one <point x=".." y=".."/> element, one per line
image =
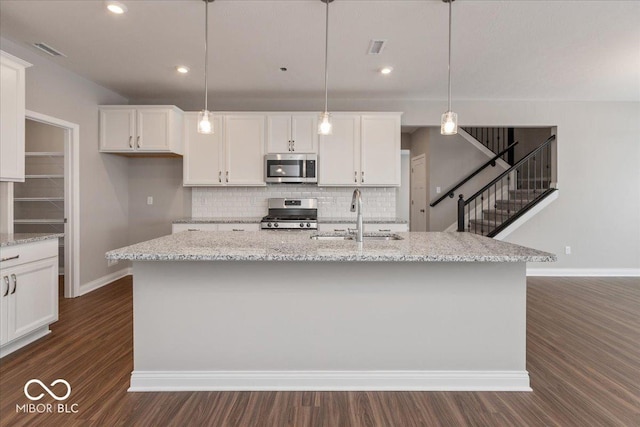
<point x="28" y="293"/>
<point x="292" y="133"/>
<point x="364" y="150"/>
<point x="141" y="129"/>
<point x="176" y="228"/>
<point x="370" y="228"/>
<point x="233" y="155"/>
<point x="12" y="112"/>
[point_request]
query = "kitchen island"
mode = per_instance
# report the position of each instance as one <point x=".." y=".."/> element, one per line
<point x="283" y="311"/>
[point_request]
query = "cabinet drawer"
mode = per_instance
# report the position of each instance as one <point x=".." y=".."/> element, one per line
<point x="19" y="254"/>
<point x="385" y="228"/>
<point x="176" y="228"/>
<point x="238" y="227"/>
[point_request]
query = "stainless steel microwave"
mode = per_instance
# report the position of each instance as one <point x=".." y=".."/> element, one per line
<point x="291" y="168"/>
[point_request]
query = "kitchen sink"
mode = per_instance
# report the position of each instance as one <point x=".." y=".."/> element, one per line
<point x="353" y="237"/>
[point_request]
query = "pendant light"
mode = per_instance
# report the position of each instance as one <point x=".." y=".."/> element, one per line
<point x="205" y="125"/>
<point x="449" y="122"/>
<point x="325" y="127"/>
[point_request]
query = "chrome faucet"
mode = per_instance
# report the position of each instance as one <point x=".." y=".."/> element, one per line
<point x="356" y="202"/>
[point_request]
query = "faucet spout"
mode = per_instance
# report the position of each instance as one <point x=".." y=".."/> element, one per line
<point x="356" y="205"/>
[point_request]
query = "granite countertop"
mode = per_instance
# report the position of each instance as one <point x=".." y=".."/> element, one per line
<point x="254" y="220"/>
<point x="21" y="238"/>
<point x="297" y="246"/>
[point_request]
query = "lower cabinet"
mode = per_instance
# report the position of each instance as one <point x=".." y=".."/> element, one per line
<point x="369" y="228"/>
<point x="176" y="228"/>
<point x="28" y="293"/>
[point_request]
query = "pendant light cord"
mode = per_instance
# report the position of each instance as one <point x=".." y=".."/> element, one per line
<point x="206" y="53"/>
<point x="450" y="1"/>
<point x="326" y="57"/>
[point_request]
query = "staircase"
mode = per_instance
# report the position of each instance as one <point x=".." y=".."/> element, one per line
<point x="511" y="195"/>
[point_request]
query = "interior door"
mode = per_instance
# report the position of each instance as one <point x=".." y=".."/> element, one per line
<point x="419" y="217"/>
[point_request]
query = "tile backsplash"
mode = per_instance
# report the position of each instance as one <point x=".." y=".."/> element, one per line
<point x="333" y="202"/>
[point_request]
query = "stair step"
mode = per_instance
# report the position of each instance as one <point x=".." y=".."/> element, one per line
<point x="525" y="193"/>
<point x="537" y="183"/>
<point x="482" y="226"/>
<point x="496" y="214"/>
<point x="511" y="205"/>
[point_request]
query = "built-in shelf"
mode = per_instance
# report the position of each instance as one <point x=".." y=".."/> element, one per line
<point x="38" y="199"/>
<point x="44" y="154"/>
<point x="39" y="221"/>
<point x="47" y="176"/>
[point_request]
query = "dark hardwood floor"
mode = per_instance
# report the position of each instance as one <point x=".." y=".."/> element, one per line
<point x="583" y="357"/>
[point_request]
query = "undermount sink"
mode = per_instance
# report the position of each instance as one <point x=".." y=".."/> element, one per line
<point x="352" y="237"/>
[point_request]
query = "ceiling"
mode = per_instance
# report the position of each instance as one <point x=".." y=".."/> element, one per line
<point x="560" y="50"/>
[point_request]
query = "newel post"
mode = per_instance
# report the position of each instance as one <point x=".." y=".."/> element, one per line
<point x="460" y="213"/>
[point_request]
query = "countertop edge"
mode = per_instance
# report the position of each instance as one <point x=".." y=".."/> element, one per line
<point x="31" y="239"/>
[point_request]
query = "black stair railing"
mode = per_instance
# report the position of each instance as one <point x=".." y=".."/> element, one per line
<point x="451" y="192"/>
<point x="495" y="139"/>
<point x="508" y="196"/>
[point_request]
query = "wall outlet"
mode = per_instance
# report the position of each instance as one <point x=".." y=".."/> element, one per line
<point x="112" y="262"/>
<point x="567" y="250"/>
<point x="150" y="200"/>
<point x="438" y="190"/>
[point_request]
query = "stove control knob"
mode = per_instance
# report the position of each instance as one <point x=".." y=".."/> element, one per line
<point x="269" y="225"/>
<point x="275" y="224"/>
<point x="308" y="225"/>
<point x="301" y="224"/>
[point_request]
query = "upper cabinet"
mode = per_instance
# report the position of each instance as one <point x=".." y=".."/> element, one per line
<point x="12" y="116"/>
<point x="292" y="132"/>
<point x="363" y="151"/>
<point x="149" y="129"/>
<point x="233" y="155"/>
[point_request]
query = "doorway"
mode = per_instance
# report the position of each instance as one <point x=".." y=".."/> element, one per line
<point x="419" y="217"/>
<point x="54" y="167"/>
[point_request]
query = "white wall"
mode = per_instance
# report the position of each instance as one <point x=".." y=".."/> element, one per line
<point x="104" y="202"/>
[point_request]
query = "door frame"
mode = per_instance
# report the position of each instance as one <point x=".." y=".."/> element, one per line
<point x="71" y="199"/>
<point x="418" y="157"/>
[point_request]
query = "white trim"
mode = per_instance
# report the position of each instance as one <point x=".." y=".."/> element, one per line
<point x="329" y="380"/>
<point x="528" y="215"/>
<point x="104" y="280"/>
<point x="17" y="344"/>
<point x="15" y="59"/>
<point x="583" y="272"/>
<point x="490" y="154"/>
<point x="71" y="201"/>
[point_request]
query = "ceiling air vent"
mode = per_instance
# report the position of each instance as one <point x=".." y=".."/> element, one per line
<point x="48" y="49"/>
<point x="376" y="47"/>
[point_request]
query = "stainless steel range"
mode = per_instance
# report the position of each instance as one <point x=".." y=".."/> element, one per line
<point x="291" y="214"/>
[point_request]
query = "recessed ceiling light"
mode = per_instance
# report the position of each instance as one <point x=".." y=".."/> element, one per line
<point x="116" y="7"/>
<point x="182" y="69"/>
<point x="386" y="70"/>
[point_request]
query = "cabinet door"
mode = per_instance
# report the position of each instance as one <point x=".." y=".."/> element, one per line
<point x="153" y="129"/>
<point x="339" y="153"/>
<point x="244" y="149"/>
<point x="117" y="129"/>
<point x="177" y="228"/>
<point x="35" y="300"/>
<point x="279" y="133"/>
<point x="380" y="151"/>
<point x="5" y="287"/>
<point x="304" y="133"/>
<point x="239" y="227"/>
<point x="12" y="120"/>
<point x="203" y="161"/>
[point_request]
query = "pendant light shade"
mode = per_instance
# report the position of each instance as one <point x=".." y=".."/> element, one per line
<point x="449" y="121"/>
<point x="205" y="125"/>
<point x="324" y="126"/>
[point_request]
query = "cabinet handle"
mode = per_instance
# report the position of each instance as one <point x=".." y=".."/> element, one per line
<point x="6" y="280"/>
<point x="130" y="141"/>
<point x="355" y="176"/>
<point x="388" y="230"/>
<point x="339" y="229"/>
<point x="11" y="257"/>
<point x="293" y="145"/>
<point x="15" y="283"/>
<point x="237" y="229"/>
<point x="227" y="176"/>
<point x="362" y="176"/>
<point x="192" y="229"/>
<point x="138" y="141"/>
<point x="219" y="176"/>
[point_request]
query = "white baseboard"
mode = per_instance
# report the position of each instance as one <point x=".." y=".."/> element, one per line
<point x="329" y="380"/>
<point x="104" y="280"/>
<point x="584" y="272"/>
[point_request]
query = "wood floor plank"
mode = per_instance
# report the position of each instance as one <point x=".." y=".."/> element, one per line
<point x="583" y="356"/>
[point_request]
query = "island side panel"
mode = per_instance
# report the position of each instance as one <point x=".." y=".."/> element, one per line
<point x="227" y="324"/>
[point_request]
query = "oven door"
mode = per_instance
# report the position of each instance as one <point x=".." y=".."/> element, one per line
<point x="285" y="168"/>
